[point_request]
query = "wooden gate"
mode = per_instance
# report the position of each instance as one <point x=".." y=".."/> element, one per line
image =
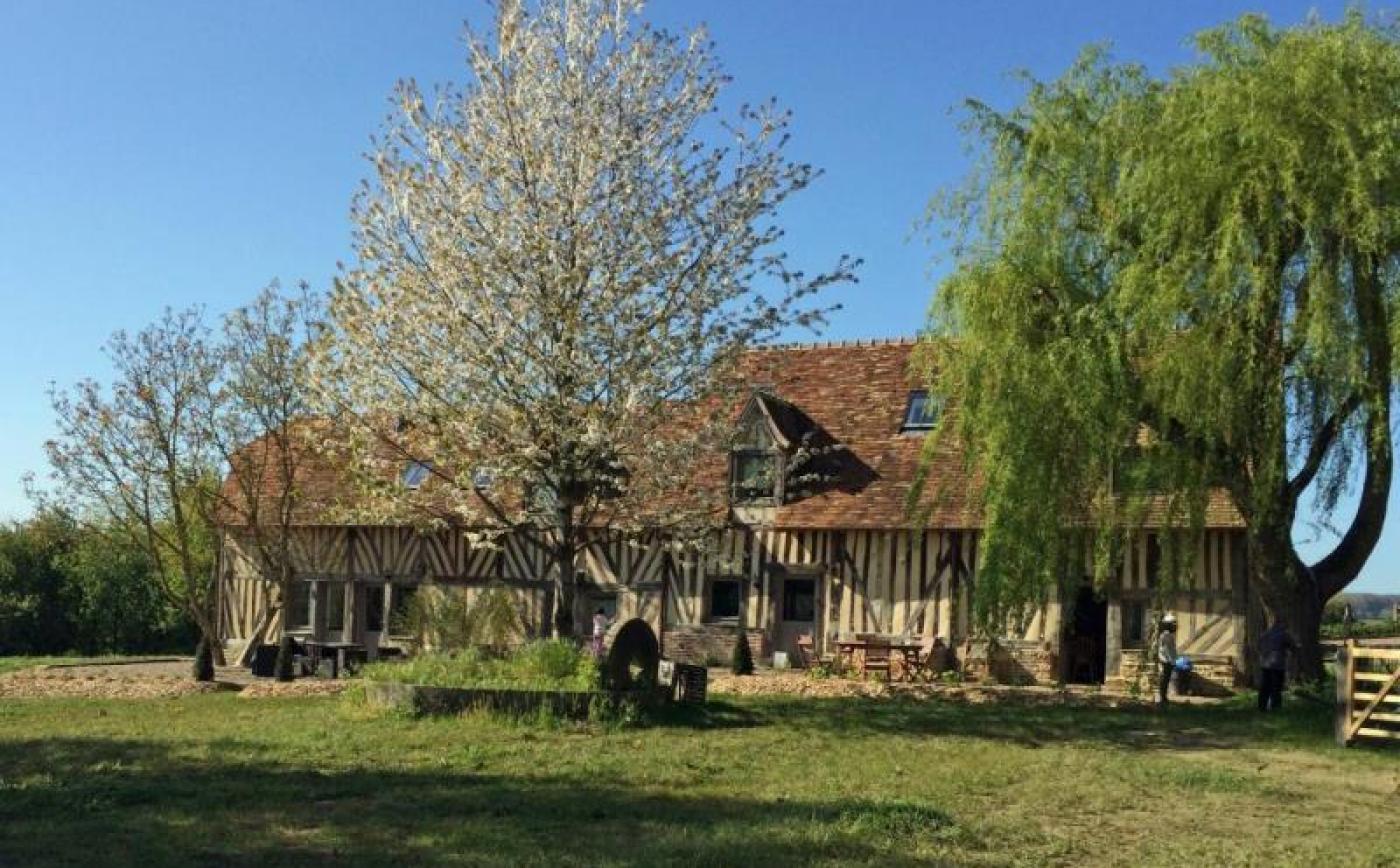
<point x="1368" y="692"/>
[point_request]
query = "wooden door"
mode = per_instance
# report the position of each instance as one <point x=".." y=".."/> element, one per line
<point x="797" y="614"/>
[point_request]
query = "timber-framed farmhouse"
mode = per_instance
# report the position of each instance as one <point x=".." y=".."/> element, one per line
<point x="820" y="544"/>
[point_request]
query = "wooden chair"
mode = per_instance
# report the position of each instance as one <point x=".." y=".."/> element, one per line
<point x="917" y="662"/>
<point x="876" y="657"/>
<point x="806" y="652"/>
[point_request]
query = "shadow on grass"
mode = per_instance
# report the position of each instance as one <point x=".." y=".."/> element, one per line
<point x="1033" y="724"/>
<point x="128" y="802"/>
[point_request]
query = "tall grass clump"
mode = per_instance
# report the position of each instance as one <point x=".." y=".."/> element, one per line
<point x="549" y="664"/>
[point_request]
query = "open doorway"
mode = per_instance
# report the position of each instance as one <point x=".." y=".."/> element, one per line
<point x="1086" y="637"/>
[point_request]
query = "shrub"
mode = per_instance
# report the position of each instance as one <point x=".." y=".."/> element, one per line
<point x="543" y="665"/>
<point x="553" y="660"/>
<point x="282" y="669"/>
<point x="1361" y="630"/>
<point x="449" y="619"/>
<point x="742" y="661"/>
<point x="203" y="661"/>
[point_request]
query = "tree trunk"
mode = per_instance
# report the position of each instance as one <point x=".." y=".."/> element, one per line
<point x="564" y="574"/>
<point x="209" y="632"/>
<point x="283" y="667"/>
<point x="1304" y="621"/>
<point x="1290" y="593"/>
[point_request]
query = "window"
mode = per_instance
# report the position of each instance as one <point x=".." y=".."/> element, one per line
<point x="1134" y="624"/>
<point x="606" y="602"/>
<point x="754" y="475"/>
<point x="922" y="412"/>
<point x="299" y="606"/>
<point x="335" y="606"/>
<point x="724" y="598"/>
<point x="415" y="473"/>
<point x="374" y="608"/>
<point x="402" y="600"/>
<point x="799" y="600"/>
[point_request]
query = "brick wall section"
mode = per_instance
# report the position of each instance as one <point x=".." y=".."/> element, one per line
<point x="704" y="643"/>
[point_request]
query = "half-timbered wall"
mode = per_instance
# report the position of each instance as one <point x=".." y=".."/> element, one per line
<point x="632" y="572"/>
<point x="1208" y="596"/>
<point x="867" y="581"/>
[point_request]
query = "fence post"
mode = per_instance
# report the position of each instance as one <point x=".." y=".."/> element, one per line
<point x="1345" y="671"/>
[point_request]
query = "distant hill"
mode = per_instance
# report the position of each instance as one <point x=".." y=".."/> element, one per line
<point x="1365" y="607"/>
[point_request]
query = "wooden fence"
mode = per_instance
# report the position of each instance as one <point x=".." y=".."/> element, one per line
<point x="1368" y="692"/>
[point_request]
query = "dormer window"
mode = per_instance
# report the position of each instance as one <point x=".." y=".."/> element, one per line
<point x="921" y="414"/>
<point x="754" y="475"/>
<point x="754" y="464"/>
<point x="483" y="478"/>
<point x="415" y="473"/>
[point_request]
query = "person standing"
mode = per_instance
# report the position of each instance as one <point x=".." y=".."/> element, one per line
<point x="1274" y="646"/>
<point x="1166" y="656"/>
<point x="600" y="632"/>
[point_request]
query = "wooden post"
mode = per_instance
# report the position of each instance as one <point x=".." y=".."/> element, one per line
<point x="1113" y="636"/>
<point x="1346" y="671"/>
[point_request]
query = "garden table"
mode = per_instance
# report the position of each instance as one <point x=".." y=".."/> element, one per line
<point x="342" y="655"/>
<point x="852" y="651"/>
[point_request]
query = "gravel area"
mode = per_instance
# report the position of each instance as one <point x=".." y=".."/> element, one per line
<point x="794" y="683"/>
<point x="149" y="679"/>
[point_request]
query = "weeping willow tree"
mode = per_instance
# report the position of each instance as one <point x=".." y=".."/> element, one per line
<point x="1165" y="287"/>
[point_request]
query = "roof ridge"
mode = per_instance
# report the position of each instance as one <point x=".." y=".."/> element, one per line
<point x="902" y="340"/>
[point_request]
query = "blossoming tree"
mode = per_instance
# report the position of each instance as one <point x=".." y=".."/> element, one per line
<point x="558" y="267"/>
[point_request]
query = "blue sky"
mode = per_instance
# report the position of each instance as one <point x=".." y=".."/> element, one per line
<point x="170" y="153"/>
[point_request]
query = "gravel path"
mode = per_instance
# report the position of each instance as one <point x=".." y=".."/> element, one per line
<point x="148" y="679"/>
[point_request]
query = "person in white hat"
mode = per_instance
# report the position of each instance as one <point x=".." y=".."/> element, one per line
<point x="1166" y="656"/>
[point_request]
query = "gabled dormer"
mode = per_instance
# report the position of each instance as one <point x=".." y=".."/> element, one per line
<point x="756" y="462"/>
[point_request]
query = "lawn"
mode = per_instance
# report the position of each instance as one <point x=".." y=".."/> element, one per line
<point x="218" y="780"/>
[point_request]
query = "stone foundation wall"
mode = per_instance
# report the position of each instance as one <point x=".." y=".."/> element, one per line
<point x="1011" y="661"/>
<point x="1210" y="675"/>
<point x="701" y="644"/>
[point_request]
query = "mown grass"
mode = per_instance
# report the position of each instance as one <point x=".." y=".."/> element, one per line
<point x="218" y="780"/>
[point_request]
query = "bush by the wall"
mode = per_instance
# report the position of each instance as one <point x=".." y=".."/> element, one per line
<point x="544" y="665"/>
<point x="742" y="661"/>
<point x="203" y="662"/>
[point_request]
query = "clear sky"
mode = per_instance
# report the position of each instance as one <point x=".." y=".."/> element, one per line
<point x="169" y="153"/>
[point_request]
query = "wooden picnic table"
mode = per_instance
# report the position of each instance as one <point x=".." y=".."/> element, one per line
<point x="342" y="655"/>
<point x="852" y="651"/>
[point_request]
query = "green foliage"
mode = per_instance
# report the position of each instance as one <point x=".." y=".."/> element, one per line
<point x="542" y="665"/>
<point x="67" y="587"/>
<point x="452" y="619"/>
<point x="741" y="661"/>
<point x="1167" y="285"/>
<point x="1362" y="630"/>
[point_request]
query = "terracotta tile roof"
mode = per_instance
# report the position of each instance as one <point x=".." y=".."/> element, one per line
<point x="854" y="394"/>
<point x="857" y="393"/>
